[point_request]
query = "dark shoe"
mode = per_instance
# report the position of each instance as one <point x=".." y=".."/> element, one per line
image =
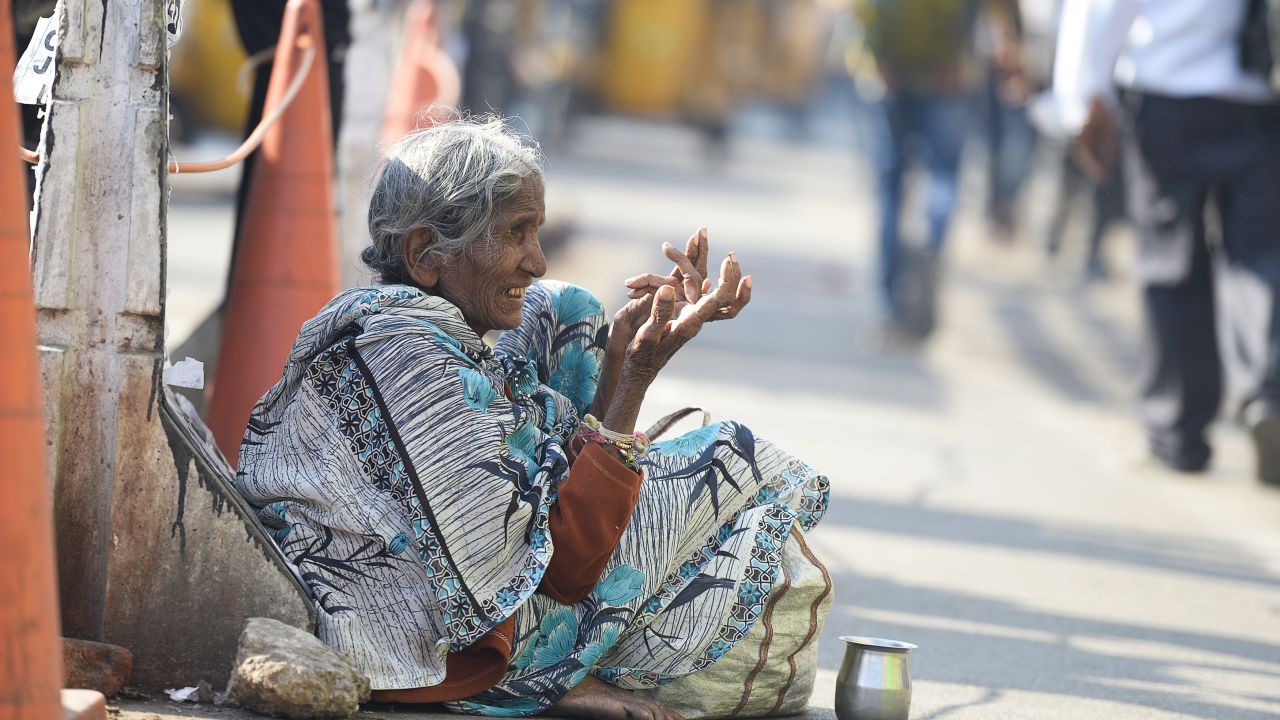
<point x="916" y="293"/>
<point x="1095" y="272"/>
<point x="1266" y="442"/>
<point x="1186" y="457"/>
<point x="894" y="338"/>
<point x="1002" y="222"/>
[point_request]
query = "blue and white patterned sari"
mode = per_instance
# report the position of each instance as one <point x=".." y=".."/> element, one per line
<point x="413" y="496"/>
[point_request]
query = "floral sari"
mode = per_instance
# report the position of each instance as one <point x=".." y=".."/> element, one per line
<point x="408" y="471"/>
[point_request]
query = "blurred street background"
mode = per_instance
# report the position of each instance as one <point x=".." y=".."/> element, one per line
<point x="993" y="500"/>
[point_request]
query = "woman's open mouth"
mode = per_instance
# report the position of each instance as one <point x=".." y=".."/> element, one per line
<point x="515" y="292"/>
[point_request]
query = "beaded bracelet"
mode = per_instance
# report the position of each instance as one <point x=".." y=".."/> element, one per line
<point x="630" y="447"/>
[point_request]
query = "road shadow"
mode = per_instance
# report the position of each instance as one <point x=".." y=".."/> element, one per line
<point x="1019" y="309"/>
<point x="1042" y="652"/>
<point x="1172" y="553"/>
<point x="1041" y="355"/>
<point x="1118" y="344"/>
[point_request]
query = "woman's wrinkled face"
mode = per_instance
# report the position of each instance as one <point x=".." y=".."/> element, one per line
<point x="488" y="282"/>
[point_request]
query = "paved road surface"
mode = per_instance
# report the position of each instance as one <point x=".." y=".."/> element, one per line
<point x="990" y="498"/>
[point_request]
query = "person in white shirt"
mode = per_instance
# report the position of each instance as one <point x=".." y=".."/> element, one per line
<point x="1202" y="164"/>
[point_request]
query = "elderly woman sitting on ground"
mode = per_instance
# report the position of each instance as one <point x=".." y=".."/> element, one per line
<point x="482" y="526"/>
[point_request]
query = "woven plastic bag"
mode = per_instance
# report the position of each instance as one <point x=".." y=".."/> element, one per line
<point x="772" y="671"/>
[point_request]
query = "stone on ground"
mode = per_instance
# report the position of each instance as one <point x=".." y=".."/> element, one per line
<point x="97" y="666"/>
<point x="286" y="672"/>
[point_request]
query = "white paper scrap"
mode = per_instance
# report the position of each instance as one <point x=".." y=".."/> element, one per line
<point x="188" y="374"/>
<point x="33" y="76"/>
<point x="186" y="694"/>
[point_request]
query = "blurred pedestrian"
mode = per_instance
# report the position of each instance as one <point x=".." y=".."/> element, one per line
<point x="490" y="27"/>
<point x="1202" y="160"/>
<point x="258" y="23"/>
<point x="1011" y="138"/>
<point x="924" y="54"/>
<point x="1099" y="199"/>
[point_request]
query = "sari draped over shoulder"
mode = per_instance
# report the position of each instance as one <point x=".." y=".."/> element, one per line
<point x="410" y="473"/>
<point x="410" y="491"/>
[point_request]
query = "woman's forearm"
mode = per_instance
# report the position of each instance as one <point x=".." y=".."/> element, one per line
<point x="624" y="405"/>
<point x="615" y="355"/>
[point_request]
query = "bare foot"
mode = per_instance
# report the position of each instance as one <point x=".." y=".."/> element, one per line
<point x="595" y="699"/>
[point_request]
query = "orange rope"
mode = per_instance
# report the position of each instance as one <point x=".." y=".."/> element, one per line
<point x="250" y="143"/>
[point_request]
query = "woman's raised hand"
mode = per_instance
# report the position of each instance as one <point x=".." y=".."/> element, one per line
<point x="674" y="321"/>
<point x="665" y="313"/>
<point x="690" y="272"/>
<point x="689" y="278"/>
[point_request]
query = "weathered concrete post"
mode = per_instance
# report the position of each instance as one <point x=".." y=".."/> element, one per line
<point x="155" y="552"/>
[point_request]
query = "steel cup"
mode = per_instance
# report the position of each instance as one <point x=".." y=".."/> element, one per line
<point x="874" y="681"/>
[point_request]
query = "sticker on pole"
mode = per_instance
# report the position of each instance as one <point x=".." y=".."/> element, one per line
<point x="173" y="21"/>
<point x="34" y="75"/>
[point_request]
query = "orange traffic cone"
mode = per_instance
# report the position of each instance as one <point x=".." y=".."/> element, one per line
<point x="31" y="658"/>
<point x="286" y="265"/>
<point x="426" y="86"/>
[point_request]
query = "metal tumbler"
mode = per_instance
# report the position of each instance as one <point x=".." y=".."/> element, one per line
<point x="874" y="681"/>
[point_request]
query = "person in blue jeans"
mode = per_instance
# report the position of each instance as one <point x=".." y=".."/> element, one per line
<point x="937" y="124"/>
<point x="923" y="53"/>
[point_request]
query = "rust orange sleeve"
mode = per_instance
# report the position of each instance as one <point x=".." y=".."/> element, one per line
<point x="593" y="508"/>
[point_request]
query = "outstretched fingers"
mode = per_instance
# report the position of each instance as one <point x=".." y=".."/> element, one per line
<point x="740" y="300"/>
<point x="664" y="308"/>
<point x="648" y="283"/>
<point x="698" y="252"/>
<point x="692" y="318"/>
<point x="730" y="276"/>
<point x="734" y="290"/>
<point x="686" y="272"/>
<point x="688" y="277"/>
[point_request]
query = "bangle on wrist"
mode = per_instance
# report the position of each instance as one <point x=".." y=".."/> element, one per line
<point x="631" y="447"/>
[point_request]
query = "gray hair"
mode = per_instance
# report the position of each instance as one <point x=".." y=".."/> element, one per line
<point x="453" y="179"/>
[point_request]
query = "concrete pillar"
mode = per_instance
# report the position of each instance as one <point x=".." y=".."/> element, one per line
<point x="155" y="551"/>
